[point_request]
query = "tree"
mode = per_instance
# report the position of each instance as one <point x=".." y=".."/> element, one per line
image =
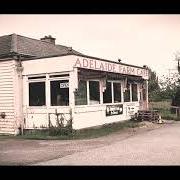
<point x="153" y="86"/>
<point x="176" y="97"/>
<point x="169" y="85"/>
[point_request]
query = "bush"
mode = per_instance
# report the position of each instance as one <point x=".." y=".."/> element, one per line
<point x="56" y="131"/>
<point x="67" y="133"/>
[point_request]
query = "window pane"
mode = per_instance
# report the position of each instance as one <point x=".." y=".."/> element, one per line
<point x="59" y="93"/>
<point x="81" y="94"/>
<point x="107" y="94"/>
<point x="94" y="93"/>
<point x="37" y="94"/>
<point x="127" y="94"/>
<point x="134" y="92"/>
<point x="117" y="92"/>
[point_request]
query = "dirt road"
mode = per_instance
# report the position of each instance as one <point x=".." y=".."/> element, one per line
<point x="150" y="144"/>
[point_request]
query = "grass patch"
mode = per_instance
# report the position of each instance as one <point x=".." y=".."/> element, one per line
<point x="104" y="129"/>
<point x="164" y="108"/>
<point x="79" y="134"/>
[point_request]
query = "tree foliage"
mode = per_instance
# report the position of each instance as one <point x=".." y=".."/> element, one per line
<point x="153" y="85"/>
<point x="163" y="89"/>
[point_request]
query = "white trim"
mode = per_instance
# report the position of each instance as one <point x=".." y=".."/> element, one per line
<point x="59" y="73"/>
<point x="36" y="80"/>
<point x="130" y="87"/>
<point x="58" y="78"/>
<point x="112" y="92"/>
<point x="35" y="75"/>
<point x="122" y="93"/>
<point x="101" y="91"/>
<point x="88" y="95"/>
<point x="147" y="100"/>
<point x="48" y="93"/>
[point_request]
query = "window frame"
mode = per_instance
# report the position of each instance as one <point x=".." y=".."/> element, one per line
<point x="112" y="92"/>
<point x="88" y="92"/>
<point x="36" y="80"/>
<point x="57" y="79"/>
<point x="137" y="92"/>
<point x="118" y="82"/>
<point x="86" y="95"/>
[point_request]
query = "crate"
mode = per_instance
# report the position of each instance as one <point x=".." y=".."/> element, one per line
<point x="151" y="115"/>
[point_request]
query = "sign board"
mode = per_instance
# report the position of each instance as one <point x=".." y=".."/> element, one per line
<point x="114" y="110"/>
<point x="64" y="85"/>
<point x="130" y="110"/>
<point x="111" y="67"/>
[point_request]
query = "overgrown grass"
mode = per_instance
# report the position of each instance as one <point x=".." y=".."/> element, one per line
<point x="164" y="108"/>
<point x="79" y="134"/>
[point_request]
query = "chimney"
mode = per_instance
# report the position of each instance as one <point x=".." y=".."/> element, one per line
<point x="69" y="49"/>
<point x="48" y="39"/>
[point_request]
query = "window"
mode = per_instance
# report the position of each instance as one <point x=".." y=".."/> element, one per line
<point x="127" y="93"/>
<point x="59" y="93"/>
<point x="81" y="94"/>
<point x="134" y="92"/>
<point x="94" y="93"/>
<point x="37" y="94"/>
<point x="107" y="94"/>
<point x="117" y="92"/>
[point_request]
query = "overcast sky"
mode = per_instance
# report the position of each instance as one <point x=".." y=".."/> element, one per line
<point x="136" y="39"/>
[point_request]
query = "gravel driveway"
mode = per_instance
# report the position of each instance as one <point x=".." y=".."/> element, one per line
<point x="150" y="144"/>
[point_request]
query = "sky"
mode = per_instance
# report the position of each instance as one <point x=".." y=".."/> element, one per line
<point x="151" y="40"/>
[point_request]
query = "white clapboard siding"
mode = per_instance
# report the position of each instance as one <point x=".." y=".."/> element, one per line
<point x="7" y="125"/>
<point x="8" y="103"/>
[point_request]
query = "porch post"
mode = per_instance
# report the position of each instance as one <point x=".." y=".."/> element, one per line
<point x="147" y="100"/>
<point x="19" y="95"/>
<point x="48" y="98"/>
<point x="73" y="85"/>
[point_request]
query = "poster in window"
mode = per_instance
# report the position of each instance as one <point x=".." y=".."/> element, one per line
<point x="114" y="110"/>
<point x="64" y="85"/>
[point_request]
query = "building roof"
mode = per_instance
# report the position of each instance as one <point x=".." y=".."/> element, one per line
<point x="31" y="48"/>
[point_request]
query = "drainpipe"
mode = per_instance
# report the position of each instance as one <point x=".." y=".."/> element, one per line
<point x="20" y="91"/>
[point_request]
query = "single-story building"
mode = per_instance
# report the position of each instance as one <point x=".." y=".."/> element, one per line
<point x="40" y="80"/>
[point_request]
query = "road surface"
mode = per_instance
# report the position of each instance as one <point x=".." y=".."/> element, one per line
<point x="157" y="147"/>
<point x="155" y="144"/>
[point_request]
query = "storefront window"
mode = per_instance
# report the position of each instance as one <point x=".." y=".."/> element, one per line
<point x="134" y="92"/>
<point x="59" y="93"/>
<point x="107" y="94"/>
<point x="81" y="94"/>
<point x="127" y="93"/>
<point x="94" y="93"/>
<point x="37" y="94"/>
<point x="117" y="92"/>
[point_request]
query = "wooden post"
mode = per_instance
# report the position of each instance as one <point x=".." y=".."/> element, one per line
<point x="176" y="112"/>
<point x="147" y="101"/>
<point x="178" y="109"/>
